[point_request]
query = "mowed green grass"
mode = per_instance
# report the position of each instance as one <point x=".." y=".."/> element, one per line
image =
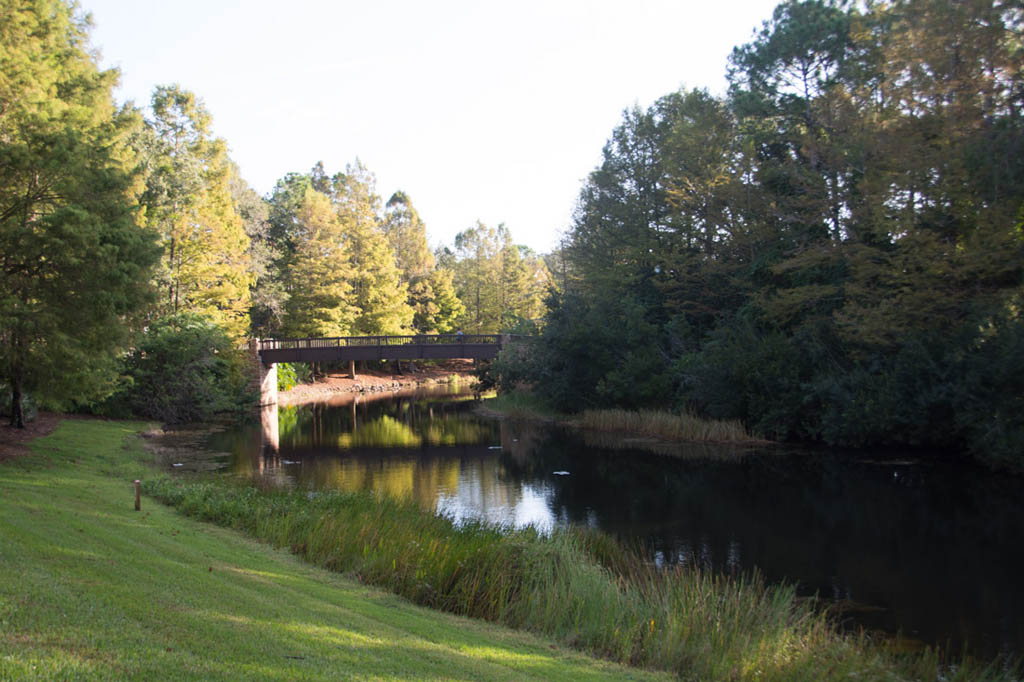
<point x="92" y="590"/>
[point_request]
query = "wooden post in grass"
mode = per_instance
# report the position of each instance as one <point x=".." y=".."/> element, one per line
<point x="138" y="501"/>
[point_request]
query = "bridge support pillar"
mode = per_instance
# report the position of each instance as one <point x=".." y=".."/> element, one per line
<point x="351" y="369"/>
<point x="264" y="376"/>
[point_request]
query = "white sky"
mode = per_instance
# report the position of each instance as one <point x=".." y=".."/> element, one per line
<point x="494" y="111"/>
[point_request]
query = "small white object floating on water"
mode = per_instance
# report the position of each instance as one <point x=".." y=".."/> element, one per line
<point x="494" y="447"/>
<point x="290" y="461"/>
<point x="177" y="464"/>
<point x="560" y="473"/>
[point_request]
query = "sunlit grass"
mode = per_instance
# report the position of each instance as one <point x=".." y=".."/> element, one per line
<point x="93" y="590"/>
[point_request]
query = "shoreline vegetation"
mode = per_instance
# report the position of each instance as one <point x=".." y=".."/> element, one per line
<point x="654" y="427"/>
<point x="67" y="528"/>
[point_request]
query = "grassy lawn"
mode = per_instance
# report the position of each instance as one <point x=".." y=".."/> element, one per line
<point x="91" y="589"/>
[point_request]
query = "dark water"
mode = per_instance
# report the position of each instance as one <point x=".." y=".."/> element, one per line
<point x="932" y="550"/>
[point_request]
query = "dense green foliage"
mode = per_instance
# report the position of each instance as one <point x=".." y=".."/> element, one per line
<point x="291" y="374"/>
<point x="343" y="265"/>
<point x="111" y="219"/>
<point x="833" y="251"/>
<point x="318" y="274"/>
<point x="498" y="282"/>
<point x="576" y="585"/>
<point x="186" y="368"/>
<point x="206" y="265"/>
<point x="74" y="264"/>
<point x="432" y="296"/>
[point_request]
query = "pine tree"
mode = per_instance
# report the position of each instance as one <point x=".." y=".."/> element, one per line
<point x="267" y="296"/>
<point x="431" y="292"/>
<point x="436" y="305"/>
<point x="478" y="277"/>
<point x="497" y="281"/>
<point x="319" y="273"/>
<point x="407" y="236"/>
<point x="206" y="266"/>
<point x="377" y="288"/>
<point x="528" y="285"/>
<point x="74" y="265"/>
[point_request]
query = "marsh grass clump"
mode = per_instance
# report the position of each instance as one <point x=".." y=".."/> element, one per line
<point x="577" y="585"/>
<point x="666" y="425"/>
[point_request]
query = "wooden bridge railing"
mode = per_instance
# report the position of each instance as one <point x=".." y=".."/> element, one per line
<point x="363" y="341"/>
<point x="410" y="347"/>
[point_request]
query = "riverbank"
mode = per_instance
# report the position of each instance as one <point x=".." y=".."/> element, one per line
<point x="93" y="590"/>
<point x="336" y="382"/>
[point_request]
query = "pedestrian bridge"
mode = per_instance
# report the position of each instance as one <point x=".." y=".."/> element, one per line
<point x="268" y="352"/>
<point x="352" y="348"/>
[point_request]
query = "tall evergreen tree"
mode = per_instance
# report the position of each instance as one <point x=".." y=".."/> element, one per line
<point x="377" y="288"/>
<point x="267" y="292"/>
<point x="497" y="281"/>
<point x="435" y="303"/>
<point x="478" y="277"/>
<point x="436" y="307"/>
<point x="620" y="229"/>
<point x="206" y="267"/>
<point x="74" y="264"/>
<point x="407" y="236"/>
<point x="318" y="276"/>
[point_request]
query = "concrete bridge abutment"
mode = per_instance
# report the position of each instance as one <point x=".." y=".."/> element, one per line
<point x="264" y="376"/>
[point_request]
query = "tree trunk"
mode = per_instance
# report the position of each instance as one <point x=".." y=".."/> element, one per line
<point x="17" y="379"/>
<point x="17" y="413"/>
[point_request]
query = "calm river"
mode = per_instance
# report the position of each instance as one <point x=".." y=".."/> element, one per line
<point x="930" y="549"/>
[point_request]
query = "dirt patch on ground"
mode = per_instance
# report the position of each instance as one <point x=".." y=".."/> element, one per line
<point x="372" y="381"/>
<point x="13" y="441"/>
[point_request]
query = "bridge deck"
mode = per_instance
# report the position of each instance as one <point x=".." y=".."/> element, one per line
<point x="420" y="346"/>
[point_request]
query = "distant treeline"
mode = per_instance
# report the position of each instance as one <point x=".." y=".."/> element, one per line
<point x="134" y="258"/>
<point x="831" y="252"/>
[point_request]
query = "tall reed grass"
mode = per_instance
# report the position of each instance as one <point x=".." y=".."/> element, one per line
<point x="576" y="585"/>
<point x="727" y="451"/>
<point x="666" y="425"/>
